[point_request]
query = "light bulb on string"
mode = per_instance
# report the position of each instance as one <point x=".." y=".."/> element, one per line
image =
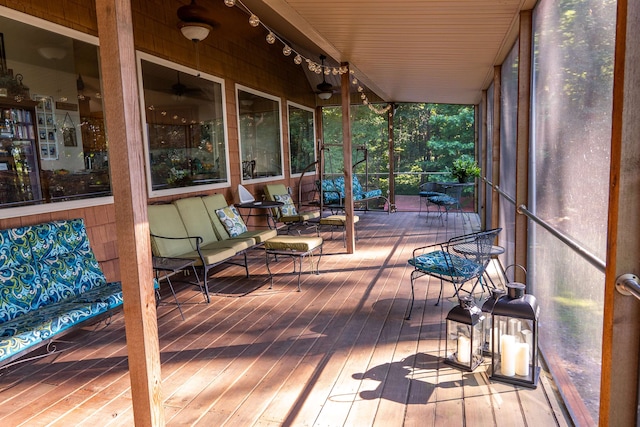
<point x="254" y="21"/>
<point x="230" y="3"/>
<point x="271" y="39"/>
<point x="286" y="50"/>
<point x="297" y="60"/>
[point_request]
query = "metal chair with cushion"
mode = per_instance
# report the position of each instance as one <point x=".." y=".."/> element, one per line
<point x="458" y="261"/>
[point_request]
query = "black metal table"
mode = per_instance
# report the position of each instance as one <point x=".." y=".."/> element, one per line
<point x="267" y="205"/>
<point x="172" y="266"/>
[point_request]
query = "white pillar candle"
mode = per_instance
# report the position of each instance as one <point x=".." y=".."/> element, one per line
<point x="514" y="328"/>
<point x="508" y="355"/>
<point x="522" y="359"/>
<point x="503" y="327"/>
<point x="464" y="349"/>
<point x="527" y="336"/>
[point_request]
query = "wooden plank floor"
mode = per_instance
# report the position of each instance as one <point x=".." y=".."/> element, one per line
<point x="339" y="353"/>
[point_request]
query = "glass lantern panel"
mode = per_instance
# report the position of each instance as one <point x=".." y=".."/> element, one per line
<point x="512" y="347"/>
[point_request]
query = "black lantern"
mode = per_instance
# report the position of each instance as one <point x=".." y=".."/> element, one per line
<point x="514" y="340"/>
<point x="487" y="309"/>
<point x="464" y="335"/>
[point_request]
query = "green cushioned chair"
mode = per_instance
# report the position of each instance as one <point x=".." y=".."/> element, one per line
<point x="287" y="214"/>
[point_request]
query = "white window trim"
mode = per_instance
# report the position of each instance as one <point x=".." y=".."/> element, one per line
<point x="315" y="154"/>
<point x="172" y="65"/>
<point x="279" y="101"/>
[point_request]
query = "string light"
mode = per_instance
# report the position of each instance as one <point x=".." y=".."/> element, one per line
<point x="313" y="66"/>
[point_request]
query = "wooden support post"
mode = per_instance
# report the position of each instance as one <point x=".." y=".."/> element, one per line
<point x="495" y="143"/>
<point x="522" y="142"/>
<point x="348" y="159"/>
<point x="126" y="160"/>
<point x="392" y="158"/>
<point x="619" y="381"/>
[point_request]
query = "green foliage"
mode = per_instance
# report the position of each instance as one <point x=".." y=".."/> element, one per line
<point x="465" y="168"/>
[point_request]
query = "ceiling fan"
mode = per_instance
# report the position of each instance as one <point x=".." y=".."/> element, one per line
<point x="325" y="89"/>
<point x="180" y="89"/>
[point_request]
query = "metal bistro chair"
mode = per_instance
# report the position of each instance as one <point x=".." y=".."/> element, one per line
<point x="445" y="261"/>
<point x="448" y="199"/>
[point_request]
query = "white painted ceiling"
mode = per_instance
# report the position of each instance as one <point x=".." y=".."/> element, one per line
<point x="403" y="50"/>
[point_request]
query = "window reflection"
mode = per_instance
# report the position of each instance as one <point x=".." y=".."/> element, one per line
<point x="185" y="128"/>
<point x="260" y="135"/>
<point x="53" y="144"/>
<point x="301" y="138"/>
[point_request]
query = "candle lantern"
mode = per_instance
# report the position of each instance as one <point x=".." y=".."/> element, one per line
<point x="487" y="309"/>
<point x="464" y="335"/>
<point x="514" y="339"/>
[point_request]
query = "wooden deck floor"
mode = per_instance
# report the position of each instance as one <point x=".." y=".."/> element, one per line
<point x="339" y="353"/>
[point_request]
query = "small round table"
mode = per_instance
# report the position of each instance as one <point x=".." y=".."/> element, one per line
<point x="265" y="204"/>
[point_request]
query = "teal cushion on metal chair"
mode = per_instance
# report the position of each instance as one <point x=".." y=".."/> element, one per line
<point x="444" y="264"/>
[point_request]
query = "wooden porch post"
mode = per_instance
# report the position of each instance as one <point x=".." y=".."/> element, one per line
<point x="482" y="187"/>
<point x="126" y="161"/>
<point x="621" y="328"/>
<point x="347" y="155"/>
<point x="495" y="151"/>
<point x="392" y="160"/>
<point x="522" y="141"/>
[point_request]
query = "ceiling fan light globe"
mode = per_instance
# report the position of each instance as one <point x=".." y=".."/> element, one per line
<point x="195" y="31"/>
<point x="325" y="95"/>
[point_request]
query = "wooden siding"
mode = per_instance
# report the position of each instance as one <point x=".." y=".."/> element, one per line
<point x="233" y="51"/>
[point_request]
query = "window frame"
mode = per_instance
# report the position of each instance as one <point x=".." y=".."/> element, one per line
<point x="140" y="56"/>
<point x="313" y="131"/>
<point x="45" y="208"/>
<point x="278" y="100"/>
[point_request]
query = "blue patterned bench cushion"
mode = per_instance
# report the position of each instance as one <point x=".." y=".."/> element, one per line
<point x="21" y="286"/>
<point x="333" y="190"/>
<point x="50" y="281"/>
<point x="66" y="262"/>
<point x="445" y="264"/>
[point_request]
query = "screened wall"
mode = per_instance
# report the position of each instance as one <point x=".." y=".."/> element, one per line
<point x="508" y="136"/>
<point x="571" y="133"/>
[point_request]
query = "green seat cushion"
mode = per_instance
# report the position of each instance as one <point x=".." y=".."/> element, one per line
<point x="236" y="244"/>
<point x="260" y="236"/>
<point x="213" y="203"/>
<point x="337" y="220"/>
<point x="293" y="243"/>
<point x="196" y="219"/>
<point x="164" y="220"/>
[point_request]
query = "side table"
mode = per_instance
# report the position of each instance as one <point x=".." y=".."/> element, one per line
<point x="267" y="205"/>
<point x="171" y="266"/>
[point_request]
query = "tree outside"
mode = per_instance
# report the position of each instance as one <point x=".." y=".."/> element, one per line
<point x="428" y="138"/>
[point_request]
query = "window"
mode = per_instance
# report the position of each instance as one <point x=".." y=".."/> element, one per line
<point x="260" y="135"/>
<point x="185" y="128"/>
<point x="301" y="138"/>
<point x="53" y="144"/>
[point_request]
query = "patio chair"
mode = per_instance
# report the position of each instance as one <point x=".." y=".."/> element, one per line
<point x="287" y="214"/>
<point x="447" y="198"/>
<point x="458" y="261"/>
